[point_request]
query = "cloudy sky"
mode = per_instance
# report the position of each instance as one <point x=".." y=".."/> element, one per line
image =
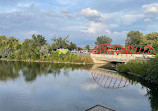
<point x="82" y="20"/>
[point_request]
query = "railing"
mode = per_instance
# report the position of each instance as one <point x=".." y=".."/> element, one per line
<point x="116" y="50"/>
<point x="140" y="49"/>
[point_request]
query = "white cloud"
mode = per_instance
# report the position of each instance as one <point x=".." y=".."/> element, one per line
<point x="150" y="8"/>
<point x="92" y="15"/>
<point x="96" y="27"/>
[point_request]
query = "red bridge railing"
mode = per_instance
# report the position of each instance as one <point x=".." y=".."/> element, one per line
<point x="140" y="49"/>
<point x="116" y="50"/>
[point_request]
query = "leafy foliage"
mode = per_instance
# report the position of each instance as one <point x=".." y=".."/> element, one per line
<point x="30" y="51"/>
<point x="151" y="39"/>
<point x="39" y="39"/>
<point x="133" y="38"/>
<point x="8" y="46"/>
<point x="44" y="51"/>
<point x="60" y="42"/>
<point x="103" y="40"/>
<point x="38" y="49"/>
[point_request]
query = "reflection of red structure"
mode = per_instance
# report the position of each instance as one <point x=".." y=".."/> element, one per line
<point x="109" y="81"/>
<point x="114" y="49"/>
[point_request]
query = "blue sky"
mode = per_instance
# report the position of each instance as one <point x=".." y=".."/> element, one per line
<point x="81" y="20"/>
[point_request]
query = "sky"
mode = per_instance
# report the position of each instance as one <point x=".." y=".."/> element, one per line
<point x="82" y="20"/>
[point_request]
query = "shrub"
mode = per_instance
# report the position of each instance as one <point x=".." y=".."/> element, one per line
<point x="145" y="68"/>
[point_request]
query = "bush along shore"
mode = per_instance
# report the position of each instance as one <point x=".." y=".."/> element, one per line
<point x="144" y="69"/>
<point x="55" y="57"/>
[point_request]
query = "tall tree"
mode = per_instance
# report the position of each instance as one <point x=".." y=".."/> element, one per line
<point x="60" y="42"/>
<point x="3" y="42"/>
<point x="39" y="39"/>
<point x="103" y="40"/>
<point x="133" y="38"/>
<point x="151" y="39"/>
<point x="30" y="50"/>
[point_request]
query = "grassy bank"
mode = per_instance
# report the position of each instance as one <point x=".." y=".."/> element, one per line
<point x="146" y="69"/>
<point x="54" y="57"/>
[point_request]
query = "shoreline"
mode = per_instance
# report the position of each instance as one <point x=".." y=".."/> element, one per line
<point x="36" y="61"/>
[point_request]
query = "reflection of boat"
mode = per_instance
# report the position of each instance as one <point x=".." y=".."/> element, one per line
<point x="109" y="79"/>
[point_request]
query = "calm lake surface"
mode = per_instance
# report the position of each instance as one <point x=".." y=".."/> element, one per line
<point x="57" y="87"/>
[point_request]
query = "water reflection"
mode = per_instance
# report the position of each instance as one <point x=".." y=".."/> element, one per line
<point x="113" y="80"/>
<point x="30" y="71"/>
<point x="48" y="91"/>
<point x="109" y="79"/>
<point x="105" y="77"/>
<point x="151" y="89"/>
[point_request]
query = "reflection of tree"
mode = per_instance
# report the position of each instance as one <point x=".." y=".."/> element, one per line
<point x="10" y="70"/>
<point x="151" y="91"/>
<point x="153" y="98"/>
<point x="32" y="70"/>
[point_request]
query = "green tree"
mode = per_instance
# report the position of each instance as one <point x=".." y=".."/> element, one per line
<point x="39" y="39"/>
<point x="30" y="50"/>
<point x="103" y="40"/>
<point x="72" y="46"/>
<point x="60" y="42"/>
<point x="87" y="47"/>
<point x="151" y="39"/>
<point x="9" y="46"/>
<point x="133" y="38"/>
<point x="3" y="42"/>
<point x="12" y="43"/>
<point x="44" y="51"/>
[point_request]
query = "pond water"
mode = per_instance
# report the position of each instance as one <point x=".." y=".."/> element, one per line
<point x="58" y="87"/>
